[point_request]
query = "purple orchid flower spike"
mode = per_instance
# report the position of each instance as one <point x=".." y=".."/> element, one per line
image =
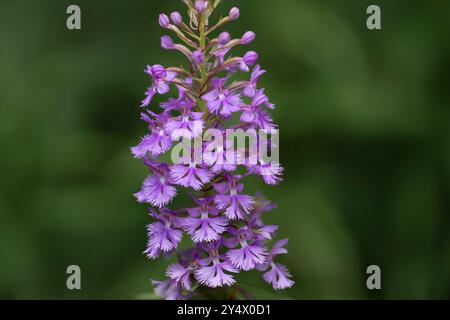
<point x="223" y="223"/>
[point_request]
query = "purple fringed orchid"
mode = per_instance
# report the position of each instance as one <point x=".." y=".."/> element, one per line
<point x="223" y="223"/>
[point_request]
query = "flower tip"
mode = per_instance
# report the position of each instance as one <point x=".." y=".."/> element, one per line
<point x="176" y="18"/>
<point x="164" y="21"/>
<point x="197" y="57"/>
<point x="234" y="13"/>
<point x="167" y="42"/>
<point x="248" y="37"/>
<point x="224" y="38"/>
<point x="200" y="5"/>
<point x="251" y="57"/>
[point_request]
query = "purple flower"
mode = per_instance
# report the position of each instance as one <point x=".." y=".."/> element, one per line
<point x="190" y="175"/>
<point x="249" y="59"/>
<point x="224" y="38"/>
<point x="228" y="198"/>
<point x="155" y="143"/>
<point x="221" y="101"/>
<point x="181" y="275"/>
<point x="188" y="125"/>
<point x="160" y="78"/>
<point x="270" y="171"/>
<point x="255" y="115"/>
<point x="278" y="276"/>
<point x="212" y="271"/>
<point x="250" y="89"/>
<point x="201" y="5"/>
<point x="169" y="290"/>
<point x="162" y="234"/>
<point x="157" y="190"/>
<point x="204" y="224"/>
<point x="218" y="158"/>
<point x="250" y="252"/>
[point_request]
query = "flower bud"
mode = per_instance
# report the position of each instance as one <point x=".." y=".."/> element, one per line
<point x="234" y="13"/>
<point x="224" y="38"/>
<point x="248" y="37"/>
<point x="176" y="18"/>
<point x="250" y="58"/>
<point x="197" y="57"/>
<point x="166" y="42"/>
<point x="164" y="21"/>
<point x="200" y="5"/>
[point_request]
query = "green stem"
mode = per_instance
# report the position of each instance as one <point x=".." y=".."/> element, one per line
<point x="203" y="71"/>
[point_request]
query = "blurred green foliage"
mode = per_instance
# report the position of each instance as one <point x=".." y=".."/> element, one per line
<point x="364" y="120"/>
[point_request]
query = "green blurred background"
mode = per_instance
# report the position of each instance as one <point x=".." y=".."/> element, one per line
<point x="364" y="128"/>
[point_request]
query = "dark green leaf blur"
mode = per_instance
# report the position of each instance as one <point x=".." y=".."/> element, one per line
<point x="364" y="130"/>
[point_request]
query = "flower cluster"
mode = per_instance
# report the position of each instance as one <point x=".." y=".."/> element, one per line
<point x="223" y="222"/>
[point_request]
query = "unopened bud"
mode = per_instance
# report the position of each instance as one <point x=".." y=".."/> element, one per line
<point x="197" y="57"/>
<point x="234" y="13"/>
<point x="166" y="42"/>
<point x="164" y="21"/>
<point x="176" y="18"/>
<point x="248" y="37"/>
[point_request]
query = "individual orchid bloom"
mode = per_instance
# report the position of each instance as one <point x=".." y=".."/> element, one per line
<point x="224" y="227"/>
<point x="255" y="115"/>
<point x="181" y="274"/>
<point x="204" y="224"/>
<point x="190" y="175"/>
<point x="213" y="270"/>
<point x="157" y="190"/>
<point x="269" y="171"/>
<point x="250" y="89"/>
<point x="230" y="199"/>
<point x="163" y="235"/>
<point x="155" y="143"/>
<point x="249" y="252"/>
<point x="249" y="59"/>
<point x="170" y="289"/>
<point x="187" y="125"/>
<point x="217" y="156"/>
<point x="222" y="101"/>
<point x="161" y="79"/>
<point x="277" y="274"/>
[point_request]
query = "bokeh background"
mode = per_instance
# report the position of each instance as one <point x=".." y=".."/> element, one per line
<point x="364" y="128"/>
